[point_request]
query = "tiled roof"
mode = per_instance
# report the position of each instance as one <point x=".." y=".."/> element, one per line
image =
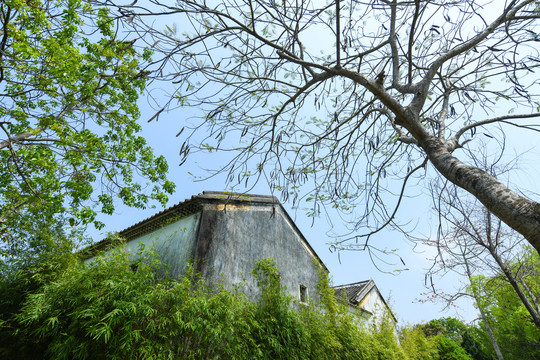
<point x="189" y="207"/>
<point x="183" y="209"/>
<point x="355" y="292"/>
<point x="192" y="206"/>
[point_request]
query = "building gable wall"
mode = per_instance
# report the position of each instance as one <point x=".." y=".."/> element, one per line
<point x="234" y="237"/>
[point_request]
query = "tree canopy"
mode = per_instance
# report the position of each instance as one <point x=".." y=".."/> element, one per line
<point x="69" y="139"/>
<point x="352" y="99"/>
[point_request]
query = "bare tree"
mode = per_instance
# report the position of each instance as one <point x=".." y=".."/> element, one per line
<point x="349" y="97"/>
<point x="476" y="242"/>
<point x="472" y="242"/>
<point x="461" y="258"/>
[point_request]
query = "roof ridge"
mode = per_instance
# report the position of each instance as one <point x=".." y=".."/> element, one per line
<point x="182" y="209"/>
<point x="352" y="284"/>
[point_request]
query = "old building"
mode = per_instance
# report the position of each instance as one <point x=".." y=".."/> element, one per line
<point x="366" y="297"/>
<point x="225" y="234"/>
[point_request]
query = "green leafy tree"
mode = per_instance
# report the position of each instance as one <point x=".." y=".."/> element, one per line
<point x="443" y="339"/>
<point x="466" y="336"/>
<point x="449" y="350"/>
<point x="452" y="328"/>
<point x="417" y="345"/>
<point x="68" y="117"/>
<point x="473" y="343"/>
<point x="511" y="321"/>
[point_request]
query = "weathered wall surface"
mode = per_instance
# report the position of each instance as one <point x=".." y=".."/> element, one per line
<point x="226" y="236"/>
<point x="234" y="237"/>
<point x="374" y="303"/>
<point x="174" y="243"/>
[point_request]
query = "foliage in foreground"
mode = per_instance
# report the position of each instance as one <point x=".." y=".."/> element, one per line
<point x="445" y="338"/>
<point x="31" y="267"/>
<point x="514" y="328"/>
<point x="69" y="137"/>
<point x="115" y="309"/>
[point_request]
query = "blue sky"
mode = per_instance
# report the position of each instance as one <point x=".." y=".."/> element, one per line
<point x="402" y="288"/>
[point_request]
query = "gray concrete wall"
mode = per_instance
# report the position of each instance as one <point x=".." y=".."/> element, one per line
<point x="174" y="243"/>
<point x="233" y="238"/>
<point x="228" y="239"/>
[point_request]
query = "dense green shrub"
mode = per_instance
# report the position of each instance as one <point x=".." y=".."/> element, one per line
<point x="417" y="345"/>
<point x="448" y="349"/>
<point x="112" y="308"/>
<point x="441" y="339"/>
<point x="24" y="270"/>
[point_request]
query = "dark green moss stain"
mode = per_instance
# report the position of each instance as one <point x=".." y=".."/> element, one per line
<point x="207" y="227"/>
<point x="231" y="242"/>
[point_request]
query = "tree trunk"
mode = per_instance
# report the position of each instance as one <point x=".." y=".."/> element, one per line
<point x="521" y="214"/>
<point x="490" y="333"/>
<point x="535" y="316"/>
<point x="482" y="313"/>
